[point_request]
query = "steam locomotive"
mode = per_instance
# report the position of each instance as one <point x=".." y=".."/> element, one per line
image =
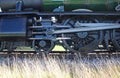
<point x="78" y="25"/>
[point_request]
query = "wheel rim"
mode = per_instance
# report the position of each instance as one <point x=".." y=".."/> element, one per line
<point x="82" y="41"/>
<point x="116" y="37"/>
<point x="43" y="46"/>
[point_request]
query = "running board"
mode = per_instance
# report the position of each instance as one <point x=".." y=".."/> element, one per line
<point x="89" y="27"/>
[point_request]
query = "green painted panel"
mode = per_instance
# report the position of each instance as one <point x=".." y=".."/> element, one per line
<point x="95" y="5"/>
<point x="50" y="5"/>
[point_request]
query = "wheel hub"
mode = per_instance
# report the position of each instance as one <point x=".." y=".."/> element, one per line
<point x="82" y="34"/>
<point x="42" y="43"/>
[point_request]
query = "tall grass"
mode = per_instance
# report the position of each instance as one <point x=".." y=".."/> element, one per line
<point x="51" y="67"/>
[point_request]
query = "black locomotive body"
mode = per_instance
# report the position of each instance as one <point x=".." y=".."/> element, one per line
<point x="78" y="26"/>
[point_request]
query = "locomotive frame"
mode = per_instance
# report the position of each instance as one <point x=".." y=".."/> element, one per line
<point x="79" y="31"/>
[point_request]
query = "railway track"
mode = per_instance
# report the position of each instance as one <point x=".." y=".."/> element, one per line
<point x="60" y="54"/>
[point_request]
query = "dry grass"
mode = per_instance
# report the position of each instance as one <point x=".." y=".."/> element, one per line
<point x="48" y="67"/>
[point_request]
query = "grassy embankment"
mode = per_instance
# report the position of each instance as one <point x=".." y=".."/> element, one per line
<point x="48" y="67"/>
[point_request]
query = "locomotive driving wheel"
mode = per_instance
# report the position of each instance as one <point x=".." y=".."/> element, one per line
<point x="10" y="46"/>
<point x="1" y="45"/>
<point x="116" y="37"/>
<point x="82" y="41"/>
<point x="43" y="46"/>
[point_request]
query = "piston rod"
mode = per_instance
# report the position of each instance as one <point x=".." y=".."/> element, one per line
<point x="89" y="27"/>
